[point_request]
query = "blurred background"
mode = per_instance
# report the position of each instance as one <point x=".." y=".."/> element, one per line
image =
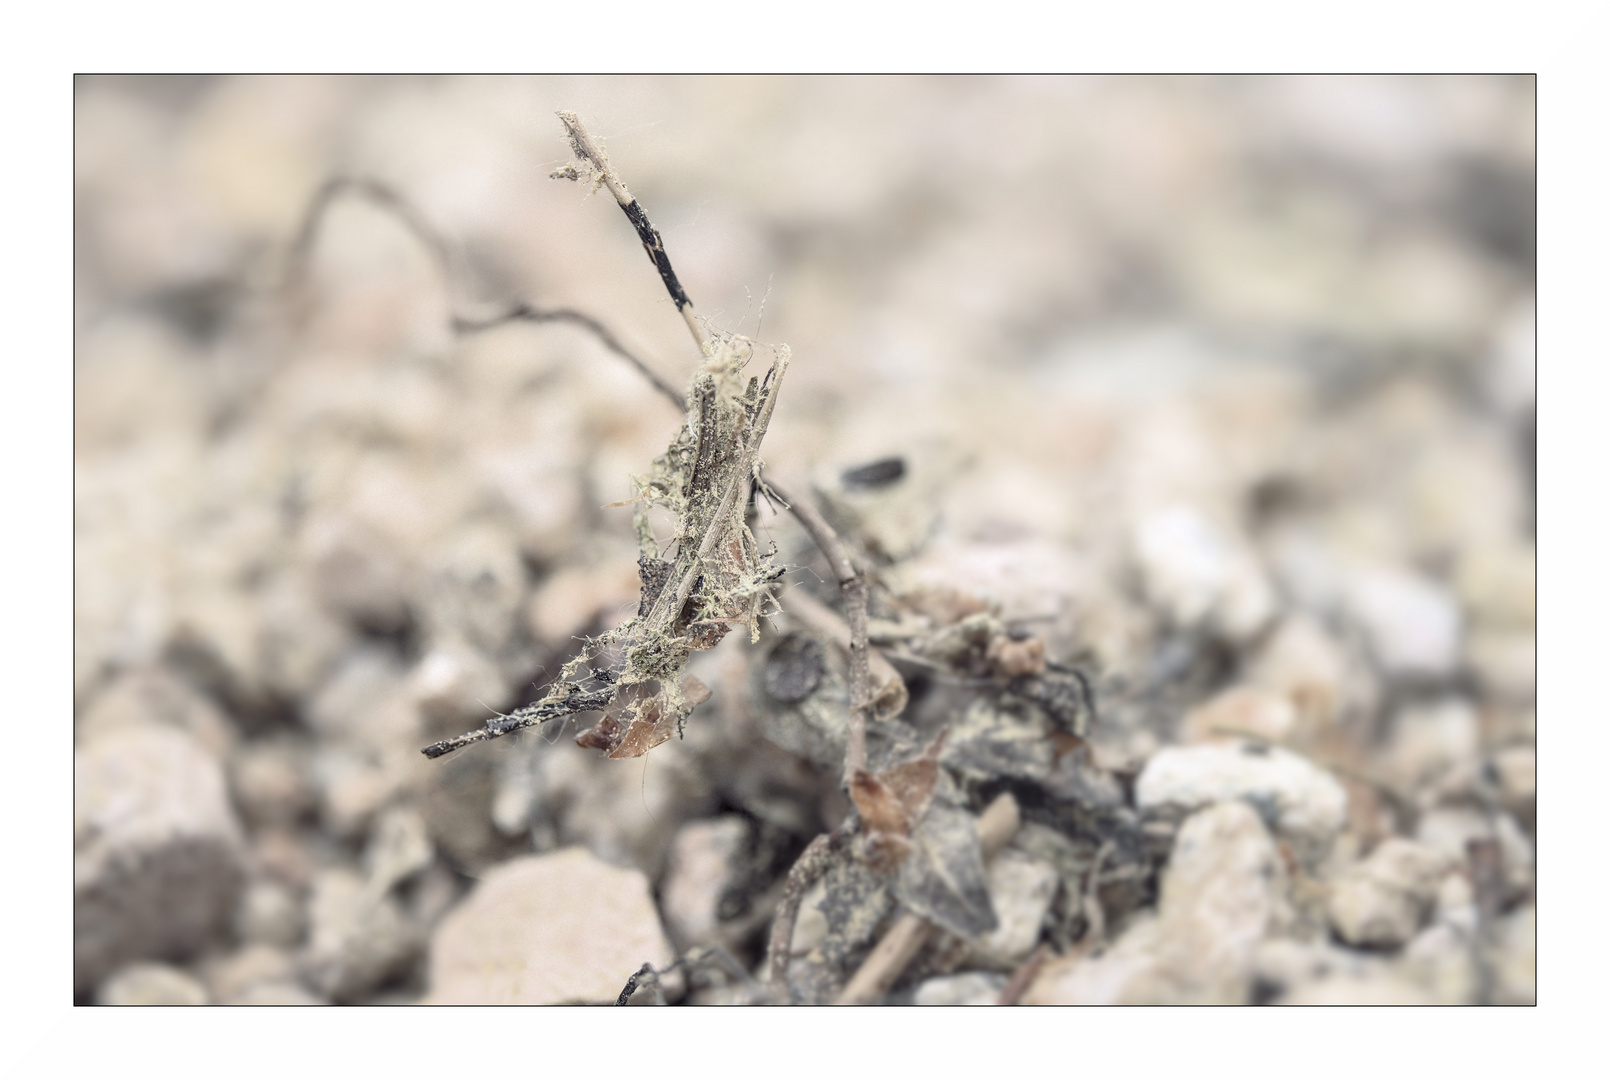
<point x="1224" y="386"/>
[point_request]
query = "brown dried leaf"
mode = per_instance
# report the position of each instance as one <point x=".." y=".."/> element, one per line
<point x="892" y="803"/>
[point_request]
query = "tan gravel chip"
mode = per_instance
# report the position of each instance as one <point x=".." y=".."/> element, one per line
<point x="545" y="930"/>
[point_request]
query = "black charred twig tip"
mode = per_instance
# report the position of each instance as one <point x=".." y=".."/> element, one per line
<point x="637" y="977"/>
<point x="596" y="164"/>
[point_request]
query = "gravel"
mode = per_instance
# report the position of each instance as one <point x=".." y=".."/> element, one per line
<point x="157" y="852"/>
<point x="1260" y="479"/>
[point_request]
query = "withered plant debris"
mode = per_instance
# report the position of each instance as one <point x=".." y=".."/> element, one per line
<point x="911" y="847"/>
<point x="716" y="574"/>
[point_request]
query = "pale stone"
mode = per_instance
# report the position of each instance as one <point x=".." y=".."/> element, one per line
<point x="271" y="913"/>
<point x="1200" y="577"/>
<point x="1303" y="662"/>
<point x="1413" y="625"/>
<point x="399" y="847"/>
<point x="1505" y="664"/>
<point x="1441" y="960"/>
<point x="276" y="992"/>
<point x="1449" y="829"/>
<point x="230" y="976"/>
<point x="1302" y="801"/>
<point x="1021" y="889"/>
<point x="359" y="938"/>
<point x="157" y="852"/>
<point x="1381" y="901"/>
<point x="272" y="782"/>
<point x="151" y="984"/>
<point x="1429" y="741"/>
<point x="545" y="930"/>
<point x="1516" y="768"/>
<point x="1517" y="956"/>
<point x="1498" y="585"/>
<point x="155" y="695"/>
<point x="1380" y="989"/>
<point x="968" y="988"/>
<point x="698" y="872"/>
<point x="568" y="601"/>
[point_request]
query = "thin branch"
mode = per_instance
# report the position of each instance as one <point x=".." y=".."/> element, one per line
<point x="1012" y="992"/>
<point x="374" y="191"/>
<point x="852" y="583"/>
<point x="526" y="313"/>
<point x="811" y="864"/>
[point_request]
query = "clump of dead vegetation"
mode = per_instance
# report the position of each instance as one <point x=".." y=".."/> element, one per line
<point x="927" y="810"/>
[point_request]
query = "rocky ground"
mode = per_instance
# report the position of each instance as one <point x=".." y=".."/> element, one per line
<point x="1213" y="396"/>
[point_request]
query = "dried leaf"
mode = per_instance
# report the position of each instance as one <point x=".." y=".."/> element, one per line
<point x="942" y="879"/>
<point x="892" y="803"/>
<point x="991" y="744"/>
<point x="656" y="722"/>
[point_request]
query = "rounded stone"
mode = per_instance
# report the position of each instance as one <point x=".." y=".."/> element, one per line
<point x="545" y="930"/>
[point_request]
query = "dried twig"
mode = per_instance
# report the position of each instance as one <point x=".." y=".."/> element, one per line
<point x="852" y="583"/>
<point x="381" y="195"/>
<point x="526" y="313"/>
<point x="811" y="864"/>
<point x="710" y="956"/>
<point x="1012" y="992"/>
<point x="595" y="161"/>
<point x="904" y="940"/>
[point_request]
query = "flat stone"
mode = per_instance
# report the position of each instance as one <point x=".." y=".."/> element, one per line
<point x="968" y="988"/>
<point x="151" y="984"/>
<point x="545" y="930"/>
<point x="157" y="852"/>
<point x="1300" y="800"/>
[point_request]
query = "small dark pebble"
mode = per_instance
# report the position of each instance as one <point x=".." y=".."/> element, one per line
<point x="876" y="474"/>
<point x="794" y="669"/>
